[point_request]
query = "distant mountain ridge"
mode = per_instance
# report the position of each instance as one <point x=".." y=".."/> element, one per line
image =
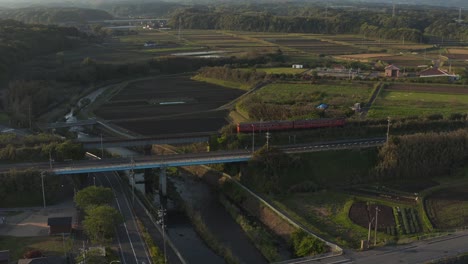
<point x="54" y="15"/>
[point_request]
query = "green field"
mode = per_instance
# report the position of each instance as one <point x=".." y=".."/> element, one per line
<point x="20" y="245"/>
<point x="401" y="104"/>
<point x="228" y="84"/>
<point x="281" y="70"/>
<point x="337" y="93"/>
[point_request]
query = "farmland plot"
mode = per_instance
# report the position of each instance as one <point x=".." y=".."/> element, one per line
<point x="448" y="208"/>
<point x="168" y="105"/>
<point x="315" y="46"/>
<point x="362" y="214"/>
<point x="413" y="103"/>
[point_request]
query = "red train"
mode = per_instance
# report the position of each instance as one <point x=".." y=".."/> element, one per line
<point x="287" y="125"/>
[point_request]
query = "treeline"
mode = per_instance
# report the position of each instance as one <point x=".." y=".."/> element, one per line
<point x="27" y="183"/>
<point x="402" y="34"/>
<point x="410" y="24"/>
<point x="235" y="75"/>
<point x="21" y="42"/>
<point x="54" y="15"/>
<point x="38" y="148"/>
<point x="422" y="156"/>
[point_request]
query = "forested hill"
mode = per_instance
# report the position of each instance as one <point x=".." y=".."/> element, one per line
<point x="57" y="15"/>
<point x="20" y="42"/>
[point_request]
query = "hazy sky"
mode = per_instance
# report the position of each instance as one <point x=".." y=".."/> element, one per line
<point x="12" y="3"/>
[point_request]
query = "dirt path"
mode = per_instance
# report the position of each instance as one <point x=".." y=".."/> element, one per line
<point x="366" y="109"/>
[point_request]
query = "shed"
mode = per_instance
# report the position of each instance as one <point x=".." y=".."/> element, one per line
<point x="392" y="71"/>
<point x="4" y="256"/>
<point x="59" y="225"/>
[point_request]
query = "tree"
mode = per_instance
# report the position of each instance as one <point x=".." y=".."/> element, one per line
<point x="93" y="196"/>
<point x="100" y="222"/>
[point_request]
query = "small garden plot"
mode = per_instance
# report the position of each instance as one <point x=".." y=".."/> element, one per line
<point x="407" y="220"/>
<point x="448" y="208"/>
<point x="403" y="104"/>
<point x="362" y="214"/>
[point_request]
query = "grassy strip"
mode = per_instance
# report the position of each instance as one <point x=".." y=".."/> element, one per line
<point x="228" y="84"/>
<point x="156" y="255"/>
<point x="209" y="238"/>
<point x="262" y="239"/>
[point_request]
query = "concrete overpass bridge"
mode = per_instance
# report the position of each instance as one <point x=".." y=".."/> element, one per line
<point x="176" y="160"/>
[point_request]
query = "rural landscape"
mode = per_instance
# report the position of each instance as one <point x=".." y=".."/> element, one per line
<point x="233" y="132"/>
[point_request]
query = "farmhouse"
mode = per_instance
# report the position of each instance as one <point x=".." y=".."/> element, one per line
<point x="297" y="66"/>
<point x="59" y="225"/>
<point x="436" y="72"/>
<point x="392" y="71"/>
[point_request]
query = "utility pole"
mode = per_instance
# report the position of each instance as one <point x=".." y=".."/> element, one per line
<point x="180" y="24"/>
<point x="253" y="139"/>
<point x="102" y="148"/>
<point x="376" y="217"/>
<point x="393" y="12"/>
<point x="50" y="159"/>
<point x="388" y="128"/>
<point x="369" y="233"/>
<point x="161" y="216"/>
<point x="267" y="139"/>
<point x="43" y="190"/>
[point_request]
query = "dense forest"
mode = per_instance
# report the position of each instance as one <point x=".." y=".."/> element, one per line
<point x="411" y="24"/>
<point x="21" y="42"/>
<point x="422" y="156"/>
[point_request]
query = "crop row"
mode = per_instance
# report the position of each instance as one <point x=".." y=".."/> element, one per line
<point x="407" y="220"/>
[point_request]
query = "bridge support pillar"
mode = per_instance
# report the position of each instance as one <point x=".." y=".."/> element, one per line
<point x="163" y="182"/>
<point x="149" y="180"/>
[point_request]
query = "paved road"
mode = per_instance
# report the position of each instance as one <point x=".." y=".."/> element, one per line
<point x="133" y="250"/>
<point x="415" y="253"/>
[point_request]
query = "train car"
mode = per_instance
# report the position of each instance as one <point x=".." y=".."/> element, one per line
<point x="317" y="123"/>
<point x="264" y="126"/>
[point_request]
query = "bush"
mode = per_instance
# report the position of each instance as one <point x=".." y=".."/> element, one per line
<point x="306" y="245"/>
